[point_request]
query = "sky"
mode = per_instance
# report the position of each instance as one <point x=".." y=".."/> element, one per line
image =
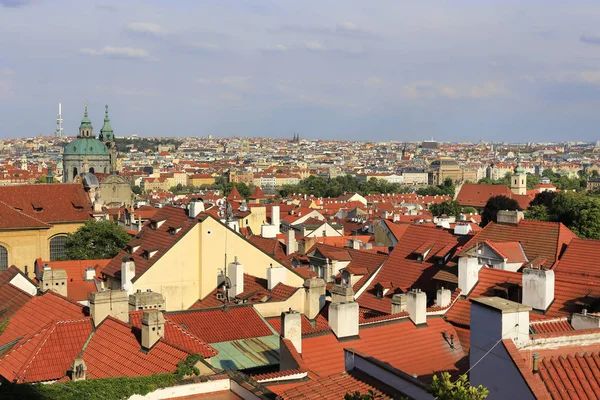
<point x="502" y="70"/>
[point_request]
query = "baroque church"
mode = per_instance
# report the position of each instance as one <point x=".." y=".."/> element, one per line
<point x="88" y="154"/>
<point x="87" y="158"/>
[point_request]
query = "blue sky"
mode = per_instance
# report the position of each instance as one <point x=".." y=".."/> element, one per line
<point x="366" y="70"/>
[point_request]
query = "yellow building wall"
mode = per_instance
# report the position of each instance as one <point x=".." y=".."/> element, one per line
<point x="177" y="274"/>
<point x="296" y="302"/>
<point x="27" y="245"/>
<point x="256" y="219"/>
<point x="221" y="246"/>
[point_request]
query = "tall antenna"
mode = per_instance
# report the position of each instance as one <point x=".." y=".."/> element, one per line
<point x="59" y="120"/>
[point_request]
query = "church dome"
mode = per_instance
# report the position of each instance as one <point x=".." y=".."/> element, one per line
<point x="87" y="146"/>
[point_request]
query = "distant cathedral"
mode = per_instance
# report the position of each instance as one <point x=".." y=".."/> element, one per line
<point x="88" y="154"/>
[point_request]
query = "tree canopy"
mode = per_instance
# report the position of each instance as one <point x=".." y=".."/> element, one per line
<point x="495" y="204"/>
<point x="319" y="186"/>
<point x="448" y="207"/>
<point x="96" y="240"/>
<point x="442" y="388"/>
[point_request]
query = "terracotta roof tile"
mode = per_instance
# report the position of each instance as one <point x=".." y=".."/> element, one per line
<point x="12" y="299"/>
<point x="580" y="258"/>
<point x="332" y="387"/>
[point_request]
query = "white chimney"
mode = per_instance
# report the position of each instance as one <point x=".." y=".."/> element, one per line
<point x="315" y="297"/>
<point x="443" y="297"/>
<point x="235" y="273"/>
<point x="356" y="244"/>
<point x="416" y="305"/>
<point x="153" y="328"/>
<point x="127" y="274"/>
<point x="196" y="207"/>
<point x="506" y="217"/>
<point x="291" y="328"/>
<point x="291" y="245"/>
<point x="275" y="275"/>
<point x="90" y="273"/>
<point x="538" y="288"/>
<point x="343" y="318"/>
<point x="275" y="216"/>
<point x="585" y="321"/>
<point x="398" y="303"/>
<point x="468" y="274"/>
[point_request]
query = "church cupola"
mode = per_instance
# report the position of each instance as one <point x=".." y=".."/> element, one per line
<point x="85" y="129"/>
<point x="519" y="179"/>
<point x="106" y="133"/>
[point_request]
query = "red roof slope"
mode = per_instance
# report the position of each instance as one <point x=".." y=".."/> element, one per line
<point x="477" y="195"/>
<point x="580" y="258"/>
<point x="47" y="354"/>
<point x="12" y="218"/>
<point x="218" y="325"/>
<point x="115" y="351"/>
<point x="51" y="203"/>
<point x="38" y="313"/>
<point x="539" y="239"/>
<point x="403" y="270"/>
<point x="332" y="387"/>
<point x="12" y="299"/>
<point x="234" y="195"/>
<point x="422" y="351"/>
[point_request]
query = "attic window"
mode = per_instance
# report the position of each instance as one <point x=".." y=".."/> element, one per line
<point x="148" y="254"/>
<point x="37" y="205"/>
<point x="173" y="230"/>
<point x="77" y="204"/>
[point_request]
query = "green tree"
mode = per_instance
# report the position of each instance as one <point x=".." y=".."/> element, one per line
<point x="370" y="395"/>
<point x="96" y="240"/>
<point x="495" y="204"/>
<point x="469" y="210"/>
<point x="244" y="190"/>
<point x="448" y="207"/>
<point x="136" y="189"/>
<point x="442" y="388"/>
<point x="537" y="213"/>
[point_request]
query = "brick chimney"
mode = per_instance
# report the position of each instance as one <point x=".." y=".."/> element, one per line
<point x="109" y="302"/>
<point x="416" y="305"/>
<point x="538" y="288"/>
<point x="315" y="297"/>
<point x="153" y="328"/>
<point x="343" y="317"/>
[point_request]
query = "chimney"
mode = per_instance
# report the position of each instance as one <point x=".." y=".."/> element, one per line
<point x="494" y="319"/>
<point x="509" y="217"/>
<point x="536" y="363"/>
<point x="146" y="300"/>
<point x="275" y="215"/>
<point x="356" y="244"/>
<point x="468" y="273"/>
<point x="235" y="273"/>
<point x="196" y="207"/>
<point x="153" y="328"/>
<point x="109" y="302"/>
<point x="585" y="321"/>
<point x="343" y="319"/>
<point x="78" y="370"/>
<point x="416" y="305"/>
<point x="443" y="297"/>
<point x="291" y="328"/>
<point x="398" y="303"/>
<point x="127" y="274"/>
<point x="54" y="279"/>
<point x="275" y="275"/>
<point x="291" y="245"/>
<point x="538" y="288"/>
<point x="315" y="297"/>
<point x="342" y="294"/>
<point x="90" y="274"/>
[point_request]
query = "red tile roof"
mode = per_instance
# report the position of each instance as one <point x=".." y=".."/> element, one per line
<point x="218" y="325"/>
<point x="114" y="351"/>
<point x="78" y="288"/>
<point x="47" y="354"/>
<point x="512" y="251"/>
<point x="38" y="313"/>
<point x="477" y="195"/>
<point x="12" y="299"/>
<point x="539" y="239"/>
<point x="550" y="325"/>
<point x="422" y="351"/>
<point x="55" y="203"/>
<point x="332" y="387"/>
<point x="580" y="258"/>
<point x="397" y="230"/>
<point x="234" y="195"/>
<point x="177" y="336"/>
<point x="15" y="219"/>
<point x="320" y="324"/>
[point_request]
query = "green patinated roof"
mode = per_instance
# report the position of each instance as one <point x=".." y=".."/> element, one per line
<point x="86" y="146"/>
<point x="246" y="353"/>
<point x="85" y="122"/>
<point x="106" y="133"/>
<point x="519" y="169"/>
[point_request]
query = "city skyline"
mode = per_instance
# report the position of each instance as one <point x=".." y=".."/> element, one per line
<point x="341" y="70"/>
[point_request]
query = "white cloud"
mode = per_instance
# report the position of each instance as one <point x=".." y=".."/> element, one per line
<point x="590" y="77"/>
<point x="210" y="47"/>
<point x="373" y="82"/>
<point x="346" y="26"/>
<point x="121" y="91"/>
<point x="315" y="46"/>
<point x="241" y="83"/>
<point x="278" y="48"/>
<point x="146" y="28"/>
<point x="110" y="51"/>
<point x="429" y="90"/>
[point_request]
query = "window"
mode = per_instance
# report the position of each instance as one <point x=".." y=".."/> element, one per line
<point x="3" y="258"/>
<point x="58" y="247"/>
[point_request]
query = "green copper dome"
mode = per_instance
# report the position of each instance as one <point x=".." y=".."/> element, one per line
<point x="89" y="146"/>
<point x="85" y="122"/>
<point x="519" y="169"/>
<point x="106" y="133"/>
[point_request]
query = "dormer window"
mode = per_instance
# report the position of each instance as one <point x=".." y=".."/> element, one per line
<point x="37" y="205"/>
<point x="148" y="254"/>
<point x="78" y="205"/>
<point x="173" y="230"/>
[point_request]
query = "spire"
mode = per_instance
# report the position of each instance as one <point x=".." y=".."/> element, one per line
<point x="519" y="169"/>
<point x="106" y="133"/>
<point x="85" y="129"/>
